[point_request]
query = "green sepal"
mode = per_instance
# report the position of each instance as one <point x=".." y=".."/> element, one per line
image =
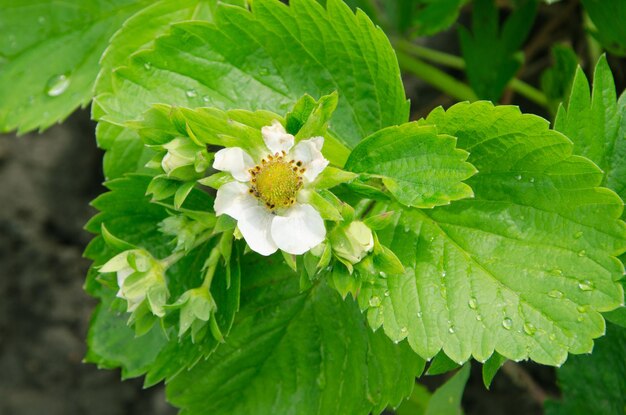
<point x="326" y="204"/>
<point x="317" y="119"/>
<point x="161" y="187"/>
<point x="333" y="176"/>
<point x="345" y="280"/>
<point x="115" y="242"/>
<point x="182" y="192"/>
<point x="380" y="221"/>
<point x="290" y="260"/>
<point x="216" y="180"/>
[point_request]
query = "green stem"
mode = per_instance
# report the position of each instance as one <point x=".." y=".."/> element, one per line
<point x="212" y="262"/>
<point x="176" y="256"/>
<point x="432" y="55"/>
<point x="435" y="77"/>
<point x="456" y="62"/>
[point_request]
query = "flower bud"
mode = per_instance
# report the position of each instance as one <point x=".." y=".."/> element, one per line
<point x="139" y="276"/>
<point x="352" y="242"/>
<point x="184" y="159"/>
<point x="196" y="306"/>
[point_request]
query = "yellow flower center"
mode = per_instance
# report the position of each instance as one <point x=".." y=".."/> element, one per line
<point x="276" y="181"/>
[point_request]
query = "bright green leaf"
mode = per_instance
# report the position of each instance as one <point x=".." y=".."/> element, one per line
<point x="49" y="53"/>
<point x="596" y="123"/>
<point x="524" y="268"/>
<point x="264" y="59"/>
<point x="419" y="167"/>
<point x="291" y="352"/>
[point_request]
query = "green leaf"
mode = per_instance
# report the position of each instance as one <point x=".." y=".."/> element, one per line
<point x="617" y="316"/>
<point x="140" y="30"/>
<point x="608" y="17"/>
<point x="417" y="403"/>
<point x="265" y="59"/>
<point x="125" y="152"/>
<point x="596" y="123"/>
<point x="471" y="287"/>
<point x="441" y="364"/>
<point x="490" y="53"/>
<point x="447" y="399"/>
<point x="69" y="37"/>
<point x="128" y="214"/>
<point x="411" y="17"/>
<point x="419" y="167"/>
<point x="491" y="368"/>
<point x="556" y="81"/>
<point x="594" y="384"/>
<point x="291" y="352"/>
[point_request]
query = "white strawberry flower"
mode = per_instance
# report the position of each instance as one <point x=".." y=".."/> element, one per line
<point x="265" y="197"/>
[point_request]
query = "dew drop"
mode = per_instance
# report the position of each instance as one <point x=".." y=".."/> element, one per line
<point x="263" y="71"/>
<point x="555" y="294"/>
<point x="507" y="323"/>
<point x="578" y="235"/>
<point x="518" y="177"/>
<point x="529" y="328"/>
<point x="552" y="336"/>
<point x="443" y="273"/>
<point x="582" y="308"/>
<point x="532" y="180"/>
<point x="451" y="330"/>
<point x="147" y="66"/>
<point x="419" y="314"/>
<point x="375" y="301"/>
<point x="57" y="85"/>
<point x="382" y="274"/>
<point x="556" y="272"/>
<point x="479" y="317"/>
<point x="386" y="293"/>
<point x="586" y="285"/>
<point x="472" y="303"/>
<point x="205" y="99"/>
<point x="580" y="318"/>
<point x="191" y="93"/>
<point x="404" y="331"/>
<point x="582" y="253"/>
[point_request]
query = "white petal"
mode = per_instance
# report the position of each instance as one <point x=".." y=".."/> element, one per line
<point x="235" y="161"/>
<point x="121" y="277"/>
<point x="276" y="138"/>
<point x="255" y="226"/>
<point x="300" y="229"/>
<point x="233" y="199"/>
<point x="310" y="154"/>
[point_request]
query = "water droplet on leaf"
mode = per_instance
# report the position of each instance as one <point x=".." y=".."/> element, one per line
<point x="147" y="66"/>
<point x="507" y="323"/>
<point x="451" y="330"/>
<point x="582" y="253"/>
<point x="578" y="235"/>
<point x="404" y="331"/>
<point x="57" y="85"/>
<point x="472" y="303"/>
<point x="375" y="301"/>
<point x="555" y="294"/>
<point x="191" y="93"/>
<point x="386" y="293"/>
<point x="529" y="328"/>
<point x="586" y="285"/>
